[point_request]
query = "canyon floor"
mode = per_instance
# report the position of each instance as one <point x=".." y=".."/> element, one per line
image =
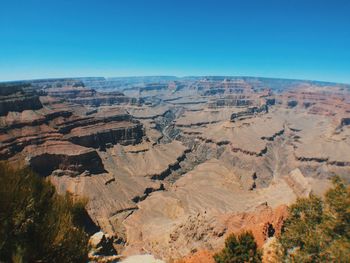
<point x="171" y="166"/>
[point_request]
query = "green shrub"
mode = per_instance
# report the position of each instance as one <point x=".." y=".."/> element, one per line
<point x="238" y="249"/>
<point x="318" y="230"/>
<point x="37" y="224"/>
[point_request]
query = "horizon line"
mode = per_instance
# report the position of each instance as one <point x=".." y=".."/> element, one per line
<point x="172" y="76"/>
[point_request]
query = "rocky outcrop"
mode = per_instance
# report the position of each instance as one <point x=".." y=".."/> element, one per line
<point x="101" y="244"/>
<point x="16" y="145"/>
<point x="211" y="87"/>
<point x="89" y="97"/>
<point x="17" y="120"/>
<point x="19" y="103"/>
<point x="102" y="99"/>
<point x="229" y="102"/>
<point x="154" y="161"/>
<point x="171" y="168"/>
<point x="60" y="121"/>
<point x="153" y="87"/>
<point x="264" y="223"/>
<point x="101" y="134"/>
<point x="63" y="156"/>
<point x="18" y="97"/>
<point x="197" y="176"/>
<point x="322" y="160"/>
<point x="200" y="209"/>
<point x="18" y="130"/>
<point x="319" y="100"/>
<point x="146" y="193"/>
<point x="112" y="115"/>
<point x="251" y="153"/>
<point x="298" y="183"/>
<point x="70" y="92"/>
<point x="214" y="91"/>
<point x="272" y="137"/>
<point x="251" y="111"/>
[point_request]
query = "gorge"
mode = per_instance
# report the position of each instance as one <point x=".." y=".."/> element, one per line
<point x="171" y="166"/>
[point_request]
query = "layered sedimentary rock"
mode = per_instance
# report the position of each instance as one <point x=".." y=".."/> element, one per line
<point x="153" y="161"/>
<point x="153" y="87"/>
<point x="173" y="165"/>
<point x="62" y="158"/>
<point x="19" y="103"/>
<point x="115" y="194"/>
<point x="85" y="96"/>
<point x="59" y="122"/>
<point x="327" y="101"/>
<point x="197" y="211"/>
<point x="106" y="99"/>
<point x="17" y="98"/>
<point x="70" y="92"/>
<point x="228" y="86"/>
<point x="298" y="183"/>
<point x="251" y="111"/>
<point x="25" y="128"/>
<point x="228" y="101"/>
<point x="36" y="127"/>
<point x="101" y="134"/>
<point x="265" y="223"/>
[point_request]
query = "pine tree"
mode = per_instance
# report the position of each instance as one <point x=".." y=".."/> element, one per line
<point x="241" y="248"/>
<point x="318" y="230"/>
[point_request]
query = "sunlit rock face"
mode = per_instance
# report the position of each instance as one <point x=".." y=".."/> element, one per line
<point x="171" y="165"/>
<point x="17" y="98"/>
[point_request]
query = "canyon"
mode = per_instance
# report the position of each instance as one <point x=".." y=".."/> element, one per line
<point x="171" y="166"/>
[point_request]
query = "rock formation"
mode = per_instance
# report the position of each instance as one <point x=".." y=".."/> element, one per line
<point x="17" y="97"/>
<point x="62" y="157"/>
<point x="171" y="166"/>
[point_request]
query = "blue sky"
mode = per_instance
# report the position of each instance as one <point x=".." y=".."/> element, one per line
<point x="305" y="39"/>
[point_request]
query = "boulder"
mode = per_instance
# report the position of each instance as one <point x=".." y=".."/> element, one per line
<point x="101" y="244"/>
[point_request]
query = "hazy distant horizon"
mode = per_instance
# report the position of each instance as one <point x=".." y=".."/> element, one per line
<point x="172" y="76"/>
<point x="278" y="39"/>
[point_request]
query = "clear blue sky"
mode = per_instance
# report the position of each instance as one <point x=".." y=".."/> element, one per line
<point x="307" y="39"/>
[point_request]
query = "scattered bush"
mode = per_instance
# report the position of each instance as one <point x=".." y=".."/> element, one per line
<point x="238" y="249"/>
<point x="318" y="230"/>
<point x="37" y="224"/>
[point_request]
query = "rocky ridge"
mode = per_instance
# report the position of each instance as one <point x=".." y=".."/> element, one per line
<point x="172" y="166"/>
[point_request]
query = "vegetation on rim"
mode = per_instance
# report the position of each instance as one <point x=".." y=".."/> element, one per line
<point x="37" y="224"/>
<point x="317" y="230"/>
<point x="240" y="248"/>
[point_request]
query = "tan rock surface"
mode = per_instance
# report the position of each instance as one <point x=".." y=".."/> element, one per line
<point x="193" y="211"/>
<point x="181" y="163"/>
<point x="150" y="161"/>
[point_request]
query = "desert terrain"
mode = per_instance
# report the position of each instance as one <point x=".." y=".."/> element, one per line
<point x="171" y="166"/>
